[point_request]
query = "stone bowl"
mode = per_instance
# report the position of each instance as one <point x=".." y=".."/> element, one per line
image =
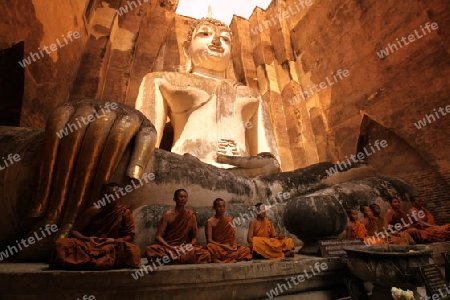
<point x="396" y="266"/>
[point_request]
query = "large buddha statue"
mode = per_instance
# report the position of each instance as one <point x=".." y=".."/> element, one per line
<point x="214" y="152"/>
<point x="208" y="112"/>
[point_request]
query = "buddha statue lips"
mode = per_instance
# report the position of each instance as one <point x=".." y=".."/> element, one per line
<point x="216" y="49"/>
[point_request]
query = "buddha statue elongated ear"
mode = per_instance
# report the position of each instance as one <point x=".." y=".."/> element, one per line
<point x="189" y="65"/>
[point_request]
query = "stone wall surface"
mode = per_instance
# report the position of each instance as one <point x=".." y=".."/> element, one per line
<point x="44" y="28"/>
<point x="393" y="92"/>
<point x="286" y="58"/>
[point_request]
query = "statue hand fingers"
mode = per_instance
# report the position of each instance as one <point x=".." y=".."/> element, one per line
<point x="145" y="141"/>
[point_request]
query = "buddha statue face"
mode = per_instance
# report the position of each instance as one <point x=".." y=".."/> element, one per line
<point x="208" y="46"/>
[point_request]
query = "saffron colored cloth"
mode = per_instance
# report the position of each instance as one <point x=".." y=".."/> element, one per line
<point x="74" y="254"/>
<point x="400" y="217"/>
<point x="371" y="225"/>
<point x="180" y="231"/>
<point x="269" y="247"/>
<point x="380" y="234"/>
<point x="224" y="233"/>
<point x="358" y="231"/>
<point x="434" y="234"/>
<point x="380" y="223"/>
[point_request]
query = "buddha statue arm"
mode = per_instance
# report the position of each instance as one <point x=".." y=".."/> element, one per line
<point x="263" y="159"/>
<point x="151" y="103"/>
<point x="260" y="136"/>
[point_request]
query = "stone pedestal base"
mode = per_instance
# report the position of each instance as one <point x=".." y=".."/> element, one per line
<point x="310" y="247"/>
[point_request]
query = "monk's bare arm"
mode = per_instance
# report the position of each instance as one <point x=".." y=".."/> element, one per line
<point x="251" y="229"/>
<point x="234" y="247"/>
<point x="161" y="229"/>
<point x="81" y="224"/>
<point x="419" y="220"/>
<point x="193" y="224"/>
<point x="348" y="233"/>
<point x="273" y="233"/>
<point x="208" y="232"/>
<point x="388" y="216"/>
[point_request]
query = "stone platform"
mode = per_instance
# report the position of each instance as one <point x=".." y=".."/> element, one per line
<point x="243" y="280"/>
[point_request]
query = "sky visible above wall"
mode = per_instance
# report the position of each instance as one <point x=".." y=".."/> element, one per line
<point x="221" y="9"/>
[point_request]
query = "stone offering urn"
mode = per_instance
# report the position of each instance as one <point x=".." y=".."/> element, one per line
<point x="388" y="266"/>
<point x="314" y="218"/>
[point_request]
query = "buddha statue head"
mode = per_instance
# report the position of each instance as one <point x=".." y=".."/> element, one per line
<point x="208" y="48"/>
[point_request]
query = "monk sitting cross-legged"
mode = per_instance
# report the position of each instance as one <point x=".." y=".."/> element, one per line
<point x="425" y="221"/>
<point x="221" y="237"/>
<point x="177" y="235"/>
<point x="397" y="219"/>
<point x="380" y="221"/>
<point x="101" y="238"/>
<point x="264" y="240"/>
<point x="355" y="229"/>
<point x="369" y="221"/>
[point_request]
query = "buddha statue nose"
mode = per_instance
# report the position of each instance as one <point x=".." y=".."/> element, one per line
<point x="216" y="40"/>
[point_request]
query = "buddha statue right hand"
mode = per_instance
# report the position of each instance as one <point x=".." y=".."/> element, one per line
<point x="84" y="143"/>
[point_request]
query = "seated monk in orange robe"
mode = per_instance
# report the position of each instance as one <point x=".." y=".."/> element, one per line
<point x="426" y="221"/>
<point x="355" y="229"/>
<point x="380" y="233"/>
<point x="221" y="237"/>
<point x="379" y="220"/>
<point x="369" y="222"/>
<point x="101" y="240"/>
<point x="264" y="240"/>
<point x="177" y="236"/>
<point x="399" y="222"/>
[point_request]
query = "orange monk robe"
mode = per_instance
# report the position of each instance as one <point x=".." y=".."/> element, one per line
<point x="180" y="232"/>
<point x="371" y="225"/>
<point x="381" y="223"/>
<point x="400" y="217"/>
<point x="224" y="233"/>
<point x="116" y="222"/>
<point x="434" y="234"/>
<point x="377" y="234"/>
<point x="269" y="247"/>
<point x="358" y="231"/>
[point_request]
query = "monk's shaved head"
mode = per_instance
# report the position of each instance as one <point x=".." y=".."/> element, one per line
<point x="177" y="192"/>
<point x="217" y="200"/>
<point x="374" y="206"/>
